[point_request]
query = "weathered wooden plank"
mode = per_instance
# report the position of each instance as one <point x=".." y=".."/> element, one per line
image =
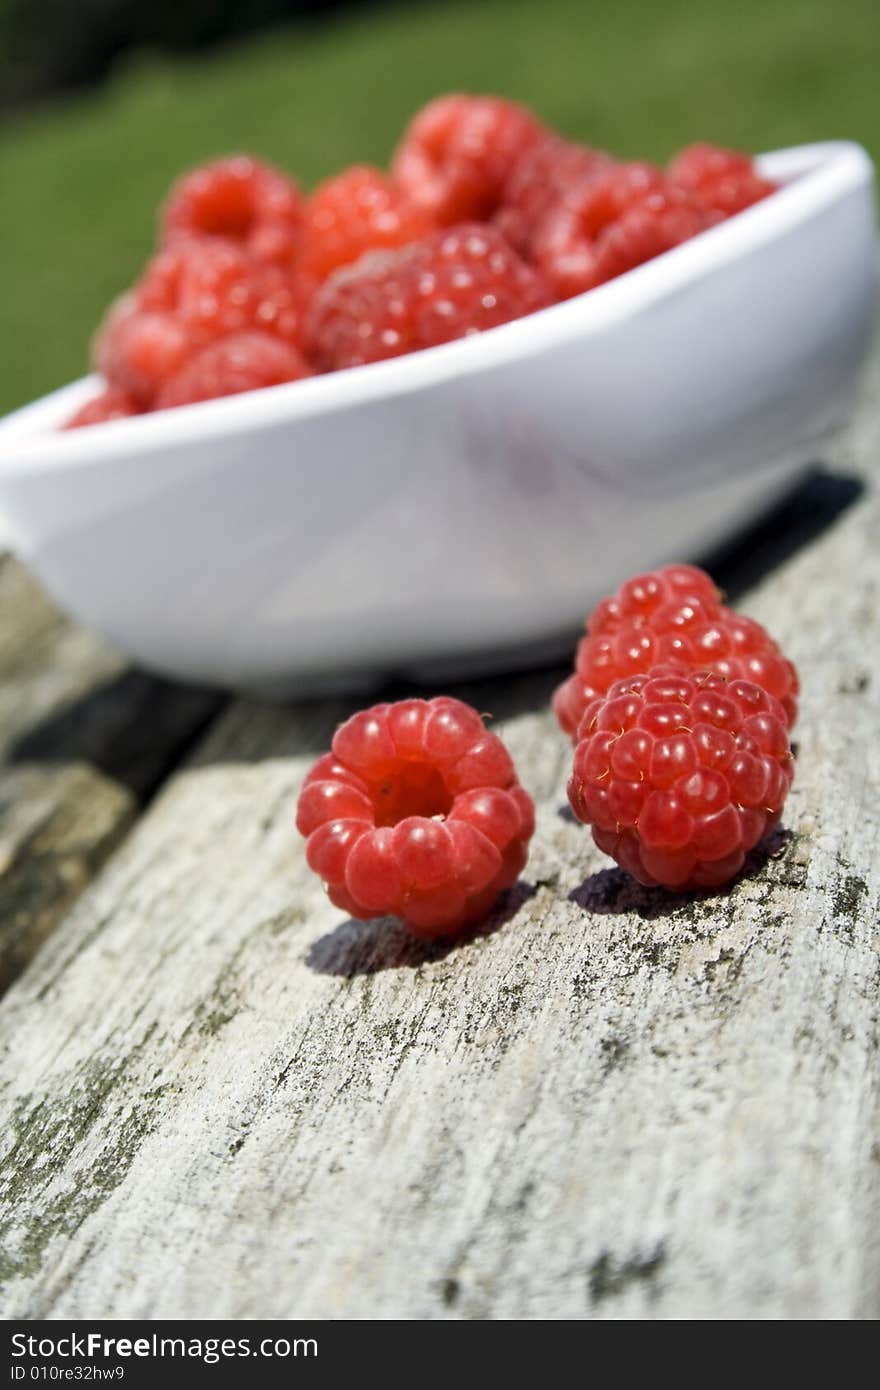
<point x="83" y="742"/>
<point x="219" y="1098"/>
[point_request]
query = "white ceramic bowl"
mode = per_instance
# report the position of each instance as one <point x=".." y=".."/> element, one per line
<point x="461" y="508"/>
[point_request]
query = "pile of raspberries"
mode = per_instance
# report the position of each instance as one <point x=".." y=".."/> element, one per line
<point x="679" y="710"/>
<point x="485" y="216"/>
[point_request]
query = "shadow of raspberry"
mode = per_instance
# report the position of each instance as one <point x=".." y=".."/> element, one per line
<point x="364" y="948"/>
<point x="614" y="892"/>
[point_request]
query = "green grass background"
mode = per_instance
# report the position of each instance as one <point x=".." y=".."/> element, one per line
<point x="81" y="179"/>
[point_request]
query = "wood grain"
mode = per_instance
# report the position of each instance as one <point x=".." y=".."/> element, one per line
<point x="219" y="1098"/>
<point x="83" y="742"/>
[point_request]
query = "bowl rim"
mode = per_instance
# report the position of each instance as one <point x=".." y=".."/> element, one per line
<point x="813" y="176"/>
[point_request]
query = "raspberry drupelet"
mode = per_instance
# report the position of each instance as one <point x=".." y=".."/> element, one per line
<point x="723" y="181"/>
<point x="238" y="199"/>
<point x="459" y="281"/>
<point x="613" y="222"/>
<point x="674" y="614"/>
<point x="457" y="153"/>
<point x="680" y="773"/>
<point x="359" y="210"/>
<point x="416" y="813"/>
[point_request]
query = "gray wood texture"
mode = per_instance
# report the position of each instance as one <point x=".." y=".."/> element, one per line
<point x="220" y="1098"/>
<point x="83" y="742"/>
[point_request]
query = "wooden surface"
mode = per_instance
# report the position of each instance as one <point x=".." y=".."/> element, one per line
<point x="220" y="1098"/>
<point x="83" y="743"/>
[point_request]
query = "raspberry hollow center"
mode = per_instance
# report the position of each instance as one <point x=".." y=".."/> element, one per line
<point x="416" y="812"/>
<point x="416" y="789"/>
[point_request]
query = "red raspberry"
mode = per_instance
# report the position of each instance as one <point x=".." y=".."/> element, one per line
<point x="192" y="294"/>
<point x="548" y="172"/>
<point x="458" y="151"/>
<point x="215" y="287"/>
<point x="136" y="350"/>
<point x="109" y="405"/>
<point x="242" y="362"/>
<point x="674" y="614"/>
<point x="241" y="200"/>
<point x="416" y="813"/>
<point x="457" y="282"/>
<point x="720" y="180"/>
<point x="611" y="223"/>
<point x="360" y="210"/>
<point x="680" y="773"/>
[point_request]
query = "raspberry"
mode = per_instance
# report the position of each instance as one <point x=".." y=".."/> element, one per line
<point x="192" y="294"/>
<point x="109" y="405"/>
<point x="458" y="151"/>
<point x="611" y="223"/>
<point x="215" y="287"/>
<point x="680" y="773"/>
<point x="360" y="210"/>
<point x="674" y="614"/>
<point x="548" y="172"/>
<point x="136" y="350"/>
<point x="720" y="180"/>
<point x="242" y="362"/>
<point x="457" y="282"/>
<point x="416" y="813"/>
<point x="241" y="200"/>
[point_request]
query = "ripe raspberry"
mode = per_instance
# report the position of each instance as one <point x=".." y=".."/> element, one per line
<point x="674" y="614"/>
<point x="720" y="180"/>
<point x="241" y="362"/>
<point x="416" y="813"/>
<point x="192" y="294"/>
<point x="215" y="287"/>
<point x="457" y="152"/>
<point x="548" y="172"/>
<point x="680" y="773"/>
<point x="611" y="223"/>
<point x="109" y="405"/>
<point x="136" y="350"/>
<point x="457" y="282"/>
<point x="238" y="199"/>
<point x="360" y="210"/>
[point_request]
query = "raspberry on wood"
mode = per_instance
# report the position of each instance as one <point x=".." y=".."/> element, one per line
<point x="239" y="199"/>
<point x="459" y="281"/>
<point x="416" y="813"/>
<point x="680" y="773"/>
<point x="457" y="153"/>
<point x="673" y="614"/>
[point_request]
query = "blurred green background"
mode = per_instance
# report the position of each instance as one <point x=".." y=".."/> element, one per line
<point x="82" y="174"/>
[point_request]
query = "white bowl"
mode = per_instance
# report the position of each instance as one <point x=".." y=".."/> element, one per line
<point x="462" y="507"/>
